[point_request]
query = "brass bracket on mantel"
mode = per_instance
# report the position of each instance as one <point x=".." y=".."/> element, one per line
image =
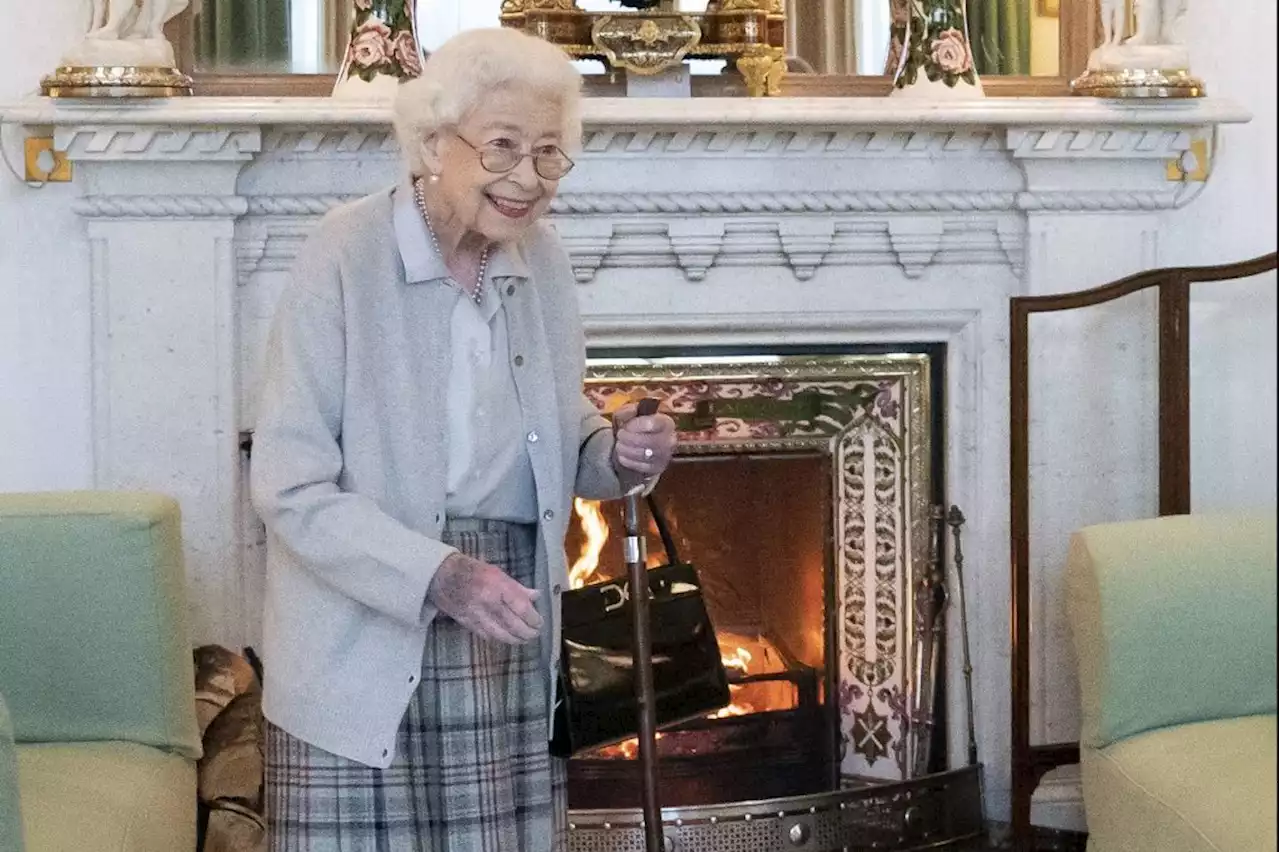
<point x="751" y="33"/>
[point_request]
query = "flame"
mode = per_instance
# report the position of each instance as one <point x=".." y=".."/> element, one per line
<point x="654" y="559"/>
<point x="745" y="654"/>
<point x="750" y="655"/>
<point x="627" y="749"/>
<point x="740" y="659"/>
<point x="595" y="535"/>
<point x="734" y="709"/>
<point x="595" y="532"/>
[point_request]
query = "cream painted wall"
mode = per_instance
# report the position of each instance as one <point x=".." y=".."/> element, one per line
<point x="44" y="308"/>
<point x="1233" y="326"/>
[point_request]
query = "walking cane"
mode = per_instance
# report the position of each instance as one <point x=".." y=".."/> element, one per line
<point x="641" y="659"/>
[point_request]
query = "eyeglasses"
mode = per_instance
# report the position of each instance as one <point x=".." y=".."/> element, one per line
<point x="548" y="161"/>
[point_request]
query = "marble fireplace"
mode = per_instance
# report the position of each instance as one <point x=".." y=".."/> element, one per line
<point x="704" y="225"/>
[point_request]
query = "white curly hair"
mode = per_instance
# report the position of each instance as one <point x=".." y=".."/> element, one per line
<point x="458" y="76"/>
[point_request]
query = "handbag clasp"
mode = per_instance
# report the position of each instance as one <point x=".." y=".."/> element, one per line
<point x="619" y="589"/>
<point x="617" y="594"/>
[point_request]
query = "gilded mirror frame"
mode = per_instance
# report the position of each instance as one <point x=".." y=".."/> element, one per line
<point x="1078" y="33"/>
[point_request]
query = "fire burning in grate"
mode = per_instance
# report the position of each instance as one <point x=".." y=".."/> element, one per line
<point x="746" y="658"/>
<point x="595" y="531"/>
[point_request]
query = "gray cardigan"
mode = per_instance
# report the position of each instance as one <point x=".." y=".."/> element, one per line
<point x="349" y="468"/>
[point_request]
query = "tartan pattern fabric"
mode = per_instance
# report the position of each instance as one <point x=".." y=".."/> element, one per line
<point x="472" y="772"/>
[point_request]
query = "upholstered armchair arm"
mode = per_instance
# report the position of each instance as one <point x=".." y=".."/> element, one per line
<point x="1174" y="621"/>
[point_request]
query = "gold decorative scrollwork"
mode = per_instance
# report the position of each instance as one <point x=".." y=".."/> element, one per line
<point x="748" y="33"/>
<point x="645" y="45"/>
<point x="111" y="82"/>
<point x="748" y="5"/>
<point x="754" y="68"/>
<point x="762" y="69"/>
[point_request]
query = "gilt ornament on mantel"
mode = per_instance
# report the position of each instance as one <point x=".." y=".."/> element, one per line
<point x="651" y="38"/>
<point x="929" y="52"/>
<point x="123" y="54"/>
<point x="383" y="51"/>
<point x="1151" y="61"/>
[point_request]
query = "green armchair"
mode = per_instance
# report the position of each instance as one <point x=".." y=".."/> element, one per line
<point x="10" y="808"/>
<point x="1174" y="623"/>
<point x="95" y="667"/>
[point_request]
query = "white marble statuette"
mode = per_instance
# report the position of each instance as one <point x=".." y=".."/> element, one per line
<point x="127" y="33"/>
<point x="1156" y="43"/>
<point x="1146" y="60"/>
<point x="123" y="54"/>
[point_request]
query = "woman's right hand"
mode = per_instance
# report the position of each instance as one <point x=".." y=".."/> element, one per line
<point x="485" y="600"/>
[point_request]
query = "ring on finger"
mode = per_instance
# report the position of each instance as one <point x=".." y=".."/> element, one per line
<point x="648" y="452"/>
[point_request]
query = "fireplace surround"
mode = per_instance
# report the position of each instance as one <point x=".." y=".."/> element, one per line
<point x="748" y="224"/>
<point x="804" y="492"/>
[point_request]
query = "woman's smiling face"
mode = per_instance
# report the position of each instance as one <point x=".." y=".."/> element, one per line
<point x="498" y="206"/>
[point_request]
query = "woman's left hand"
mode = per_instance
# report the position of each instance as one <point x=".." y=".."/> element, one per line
<point x="643" y="445"/>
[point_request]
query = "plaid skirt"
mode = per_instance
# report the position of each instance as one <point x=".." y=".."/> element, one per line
<point x="472" y="772"/>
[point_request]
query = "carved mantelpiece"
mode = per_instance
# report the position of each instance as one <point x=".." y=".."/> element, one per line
<point x="742" y="222"/>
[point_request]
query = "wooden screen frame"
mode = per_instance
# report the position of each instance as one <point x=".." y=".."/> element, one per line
<point x="1078" y="23"/>
<point x="1031" y="762"/>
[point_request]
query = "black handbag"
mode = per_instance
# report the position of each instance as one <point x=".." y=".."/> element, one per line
<point x="596" y="701"/>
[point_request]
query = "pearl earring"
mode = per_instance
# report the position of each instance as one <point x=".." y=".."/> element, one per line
<point x="433" y="178"/>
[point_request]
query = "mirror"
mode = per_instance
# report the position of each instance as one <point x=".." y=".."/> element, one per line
<point x="1009" y="37"/>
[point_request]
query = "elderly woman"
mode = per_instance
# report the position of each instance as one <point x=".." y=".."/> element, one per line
<point x="420" y="436"/>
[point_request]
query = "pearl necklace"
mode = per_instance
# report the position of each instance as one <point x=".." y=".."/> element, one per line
<point x="477" y="292"/>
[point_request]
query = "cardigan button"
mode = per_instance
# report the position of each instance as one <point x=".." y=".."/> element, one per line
<point x="511" y="289"/>
<point x="533" y="437"/>
<point x="519" y="360"/>
<point x="548" y="515"/>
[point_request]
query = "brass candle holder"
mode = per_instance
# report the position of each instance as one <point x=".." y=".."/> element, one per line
<point x="749" y="33"/>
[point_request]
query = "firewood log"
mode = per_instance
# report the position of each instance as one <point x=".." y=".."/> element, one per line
<point x="220" y="676"/>
<point x="232" y="765"/>
<point x="235" y="828"/>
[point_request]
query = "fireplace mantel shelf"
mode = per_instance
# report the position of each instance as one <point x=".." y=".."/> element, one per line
<point x="672" y="112"/>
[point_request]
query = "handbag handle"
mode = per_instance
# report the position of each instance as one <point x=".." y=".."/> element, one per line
<point x="664" y="531"/>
